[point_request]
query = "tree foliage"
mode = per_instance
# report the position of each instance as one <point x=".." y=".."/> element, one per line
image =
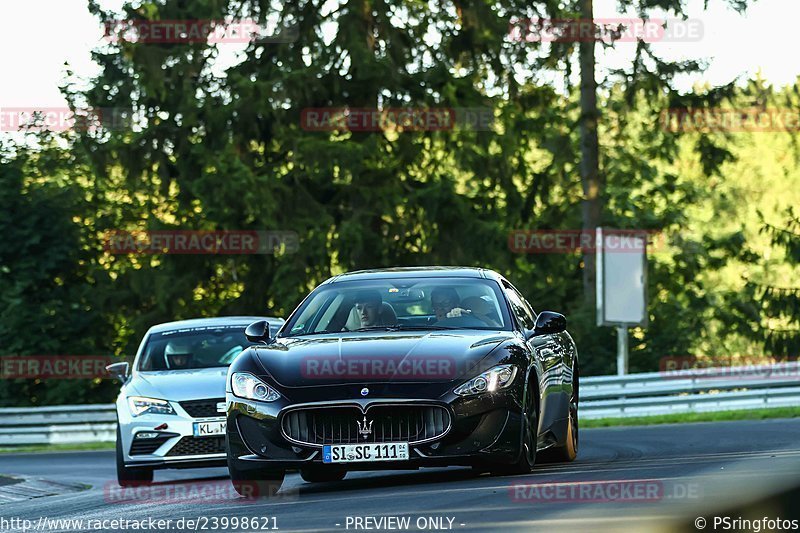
<point x="213" y="149"/>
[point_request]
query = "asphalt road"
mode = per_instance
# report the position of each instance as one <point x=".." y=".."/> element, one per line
<point x="637" y="478"/>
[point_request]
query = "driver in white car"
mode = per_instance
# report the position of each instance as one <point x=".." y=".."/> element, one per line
<point x="178" y="354"/>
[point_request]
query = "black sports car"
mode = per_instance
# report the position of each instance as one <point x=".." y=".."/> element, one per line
<point x="403" y="368"/>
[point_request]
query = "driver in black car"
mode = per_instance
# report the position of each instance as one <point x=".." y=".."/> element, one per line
<point x="445" y="301"/>
<point x="446" y="305"/>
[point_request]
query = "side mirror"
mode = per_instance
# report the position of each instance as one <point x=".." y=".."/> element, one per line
<point x="257" y="332"/>
<point x="549" y="322"/>
<point x="119" y="371"/>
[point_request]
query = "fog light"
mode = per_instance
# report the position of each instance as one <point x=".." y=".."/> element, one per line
<point x="146" y="435"/>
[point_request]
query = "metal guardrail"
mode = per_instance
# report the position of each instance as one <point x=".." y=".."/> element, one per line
<point x="691" y="391"/>
<point x="652" y="393"/>
<point x="63" y="424"/>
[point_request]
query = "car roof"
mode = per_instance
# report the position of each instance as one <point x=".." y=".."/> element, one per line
<point x="215" y="321"/>
<point x="416" y="272"/>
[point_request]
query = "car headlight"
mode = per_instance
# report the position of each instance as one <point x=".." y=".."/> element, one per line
<point x="493" y="379"/>
<point x="250" y="387"/>
<point x="139" y="406"/>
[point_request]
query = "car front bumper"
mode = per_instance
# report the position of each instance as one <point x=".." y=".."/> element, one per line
<point x="175" y="445"/>
<point x="483" y="429"/>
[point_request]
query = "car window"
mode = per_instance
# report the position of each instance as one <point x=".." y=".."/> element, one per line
<point x="403" y="302"/>
<point x="193" y="348"/>
<point x="520" y="307"/>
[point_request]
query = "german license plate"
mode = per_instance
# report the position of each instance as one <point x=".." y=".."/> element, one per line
<point x="208" y="429"/>
<point x="359" y="453"/>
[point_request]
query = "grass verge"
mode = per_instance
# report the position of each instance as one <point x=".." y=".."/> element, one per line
<point x="683" y="418"/>
<point x="90" y="446"/>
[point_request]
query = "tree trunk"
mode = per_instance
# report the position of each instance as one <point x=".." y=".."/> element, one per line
<point x="590" y="157"/>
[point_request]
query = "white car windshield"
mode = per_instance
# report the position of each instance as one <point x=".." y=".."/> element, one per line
<point x="192" y="348"/>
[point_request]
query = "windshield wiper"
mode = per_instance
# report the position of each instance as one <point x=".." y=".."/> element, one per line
<point x="323" y="332"/>
<point x="401" y="328"/>
<point x="375" y="328"/>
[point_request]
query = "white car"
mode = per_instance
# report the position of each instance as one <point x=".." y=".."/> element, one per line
<point x="171" y="409"/>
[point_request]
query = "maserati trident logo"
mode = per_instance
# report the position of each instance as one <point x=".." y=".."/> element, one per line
<point x="364" y="429"/>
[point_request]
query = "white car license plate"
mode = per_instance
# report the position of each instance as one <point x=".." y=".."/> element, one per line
<point x="208" y="429"/>
<point x="355" y="453"/>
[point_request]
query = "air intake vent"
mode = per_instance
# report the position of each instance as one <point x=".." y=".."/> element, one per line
<point x="414" y="424"/>
<point x="203" y="408"/>
<point x="198" y="446"/>
<point x="148" y="446"/>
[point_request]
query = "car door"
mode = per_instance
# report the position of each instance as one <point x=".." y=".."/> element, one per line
<point x="549" y="352"/>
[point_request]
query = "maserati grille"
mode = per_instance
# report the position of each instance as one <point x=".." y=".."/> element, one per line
<point x="317" y="426"/>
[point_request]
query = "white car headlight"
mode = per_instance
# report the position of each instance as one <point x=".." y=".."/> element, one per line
<point x="139" y="406"/>
<point x="248" y="386"/>
<point x="493" y="379"/>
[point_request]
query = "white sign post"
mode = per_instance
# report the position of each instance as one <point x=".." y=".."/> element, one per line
<point x="621" y="282"/>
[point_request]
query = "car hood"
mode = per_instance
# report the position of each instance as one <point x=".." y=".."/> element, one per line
<point x="181" y="385"/>
<point x="427" y="356"/>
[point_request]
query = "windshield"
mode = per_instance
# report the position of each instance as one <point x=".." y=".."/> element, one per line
<point x="401" y="304"/>
<point x="192" y="348"/>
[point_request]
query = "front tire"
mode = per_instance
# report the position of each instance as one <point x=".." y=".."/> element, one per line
<point x="530" y="430"/>
<point x="128" y="476"/>
<point x="255" y="484"/>
<point x="569" y="450"/>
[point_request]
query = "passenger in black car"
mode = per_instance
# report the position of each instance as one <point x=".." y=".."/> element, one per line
<point x="369" y="310"/>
